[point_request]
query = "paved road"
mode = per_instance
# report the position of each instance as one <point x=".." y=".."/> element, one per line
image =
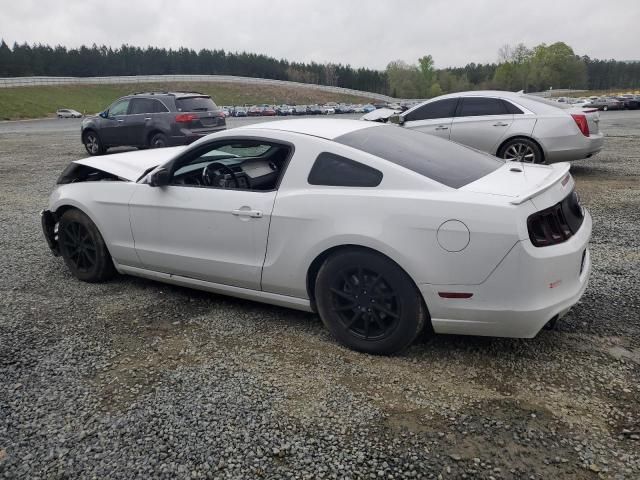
<point x="52" y="125"/>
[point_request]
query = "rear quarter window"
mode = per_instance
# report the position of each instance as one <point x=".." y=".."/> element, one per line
<point x="445" y="162"/>
<point x="337" y="171"/>
<point x="195" y="104"/>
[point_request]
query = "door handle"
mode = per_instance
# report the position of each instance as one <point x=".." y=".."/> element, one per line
<point x="441" y="127"/>
<point x="147" y="118"/>
<point x="500" y="124"/>
<point x="120" y="120"/>
<point x="242" y="212"/>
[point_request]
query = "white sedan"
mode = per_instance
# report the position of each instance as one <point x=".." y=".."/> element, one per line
<point x="381" y="230"/>
<point x="513" y="126"/>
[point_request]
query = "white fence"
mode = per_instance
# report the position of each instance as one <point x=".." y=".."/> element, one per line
<point x="41" y="81"/>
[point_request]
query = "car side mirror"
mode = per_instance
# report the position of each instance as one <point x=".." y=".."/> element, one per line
<point x="397" y="119"/>
<point x="104" y="114"/>
<point x="160" y="178"/>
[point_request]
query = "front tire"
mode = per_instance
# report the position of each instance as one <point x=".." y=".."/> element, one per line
<point x="83" y="248"/>
<point x="92" y="143"/>
<point x="521" y="150"/>
<point x="368" y="303"/>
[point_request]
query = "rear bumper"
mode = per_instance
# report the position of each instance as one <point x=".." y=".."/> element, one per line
<point x="190" y="136"/>
<point x="528" y="288"/>
<point x="576" y="148"/>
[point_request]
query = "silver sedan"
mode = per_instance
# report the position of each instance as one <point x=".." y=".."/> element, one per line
<point x="513" y="126"/>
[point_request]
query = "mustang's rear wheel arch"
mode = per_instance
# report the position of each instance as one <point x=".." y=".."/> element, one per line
<point x="418" y="319"/>
<point x="500" y="150"/>
<point x="82" y="246"/>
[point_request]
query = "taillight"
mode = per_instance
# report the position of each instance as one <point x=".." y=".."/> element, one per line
<point x="556" y="224"/>
<point x="581" y="121"/>
<point x="186" y="117"/>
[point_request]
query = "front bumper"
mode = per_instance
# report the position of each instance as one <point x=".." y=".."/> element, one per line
<point x="531" y="286"/>
<point x="48" y="221"/>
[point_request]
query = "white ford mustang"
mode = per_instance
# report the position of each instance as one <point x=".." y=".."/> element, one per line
<point x="381" y="230"/>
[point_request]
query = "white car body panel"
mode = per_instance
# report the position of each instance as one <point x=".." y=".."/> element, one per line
<point x="190" y="236"/>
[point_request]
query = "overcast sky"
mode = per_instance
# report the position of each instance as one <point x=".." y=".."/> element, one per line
<point x="366" y="33"/>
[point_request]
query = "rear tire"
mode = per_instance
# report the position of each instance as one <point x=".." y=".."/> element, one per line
<point x="83" y="248"/>
<point x="92" y="143"/>
<point x="158" y="140"/>
<point x="368" y="303"/>
<point x="521" y="150"/>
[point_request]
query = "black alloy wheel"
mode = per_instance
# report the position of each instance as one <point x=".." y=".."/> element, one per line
<point x="368" y="302"/>
<point x="78" y="246"/>
<point x="365" y="303"/>
<point x="83" y="248"/>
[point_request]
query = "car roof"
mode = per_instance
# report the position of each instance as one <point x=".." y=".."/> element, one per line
<point x="168" y="94"/>
<point x="323" y="128"/>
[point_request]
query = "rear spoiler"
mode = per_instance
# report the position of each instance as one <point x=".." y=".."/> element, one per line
<point x="559" y="172"/>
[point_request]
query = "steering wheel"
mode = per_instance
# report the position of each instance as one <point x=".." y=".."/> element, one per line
<point x="213" y="176"/>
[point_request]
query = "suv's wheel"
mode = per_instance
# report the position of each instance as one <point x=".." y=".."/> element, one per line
<point x="368" y="303"/>
<point x="158" y="140"/>
<point x="92" y="143"/>
<point x="83" y="249"/>
<point x="521" y="150"/>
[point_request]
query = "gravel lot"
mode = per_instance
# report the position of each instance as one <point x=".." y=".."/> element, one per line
<point x="136" y="379"/>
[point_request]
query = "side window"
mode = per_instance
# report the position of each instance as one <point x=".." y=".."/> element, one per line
<point x="119" y="108"/>
<point x="141" y="105"/>
<point x="479" y="106"/>
<point x="336" y="171"/>
<point x="158" y="107"/>
<point x="511" y="108"/>
<point x="240" y="164"/>
<point x="439" y="109"/>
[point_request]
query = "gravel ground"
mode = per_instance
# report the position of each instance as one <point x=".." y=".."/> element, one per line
<point x="136" y="379"/>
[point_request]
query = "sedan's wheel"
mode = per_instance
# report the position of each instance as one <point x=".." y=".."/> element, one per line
<point x="521" y="150"/>
<point x="83" y="249"/>
<point x="605" y="108"/>
<point x="158" y="140"/>
<point x="368" y="302"/>
<point x="93" y="144"/>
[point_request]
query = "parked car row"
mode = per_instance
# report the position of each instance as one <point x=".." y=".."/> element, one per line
<point x="620" y="102"/>
<point x="284" y="110"/>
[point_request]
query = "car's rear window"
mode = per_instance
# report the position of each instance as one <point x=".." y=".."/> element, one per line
<point x="195" y="104"/>
<point x="445" y="162"/>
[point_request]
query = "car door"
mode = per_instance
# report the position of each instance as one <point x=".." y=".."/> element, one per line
<point x="140" y="115"/>
<point x="481" y="122"/>
<point x="214" y="234"/>
<point x="112" y="131"/>
<point x="432" y="117"/>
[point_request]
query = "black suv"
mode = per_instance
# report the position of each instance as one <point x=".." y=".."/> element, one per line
<point x="154" y="119"/>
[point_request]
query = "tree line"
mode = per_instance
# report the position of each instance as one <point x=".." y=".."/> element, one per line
<point x="518" y="68"/>
<point x="27" y="60"/>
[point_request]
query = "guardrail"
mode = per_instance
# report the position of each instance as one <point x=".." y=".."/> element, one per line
<point x="10" y="82"/>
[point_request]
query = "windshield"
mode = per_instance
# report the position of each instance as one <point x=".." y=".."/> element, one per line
<point x="195" y="104"/>
<point x="445" y="162"/>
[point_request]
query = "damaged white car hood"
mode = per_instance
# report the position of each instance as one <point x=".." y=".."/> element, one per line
<point x="380" y="114"/>
<point x="131" y="165"/>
